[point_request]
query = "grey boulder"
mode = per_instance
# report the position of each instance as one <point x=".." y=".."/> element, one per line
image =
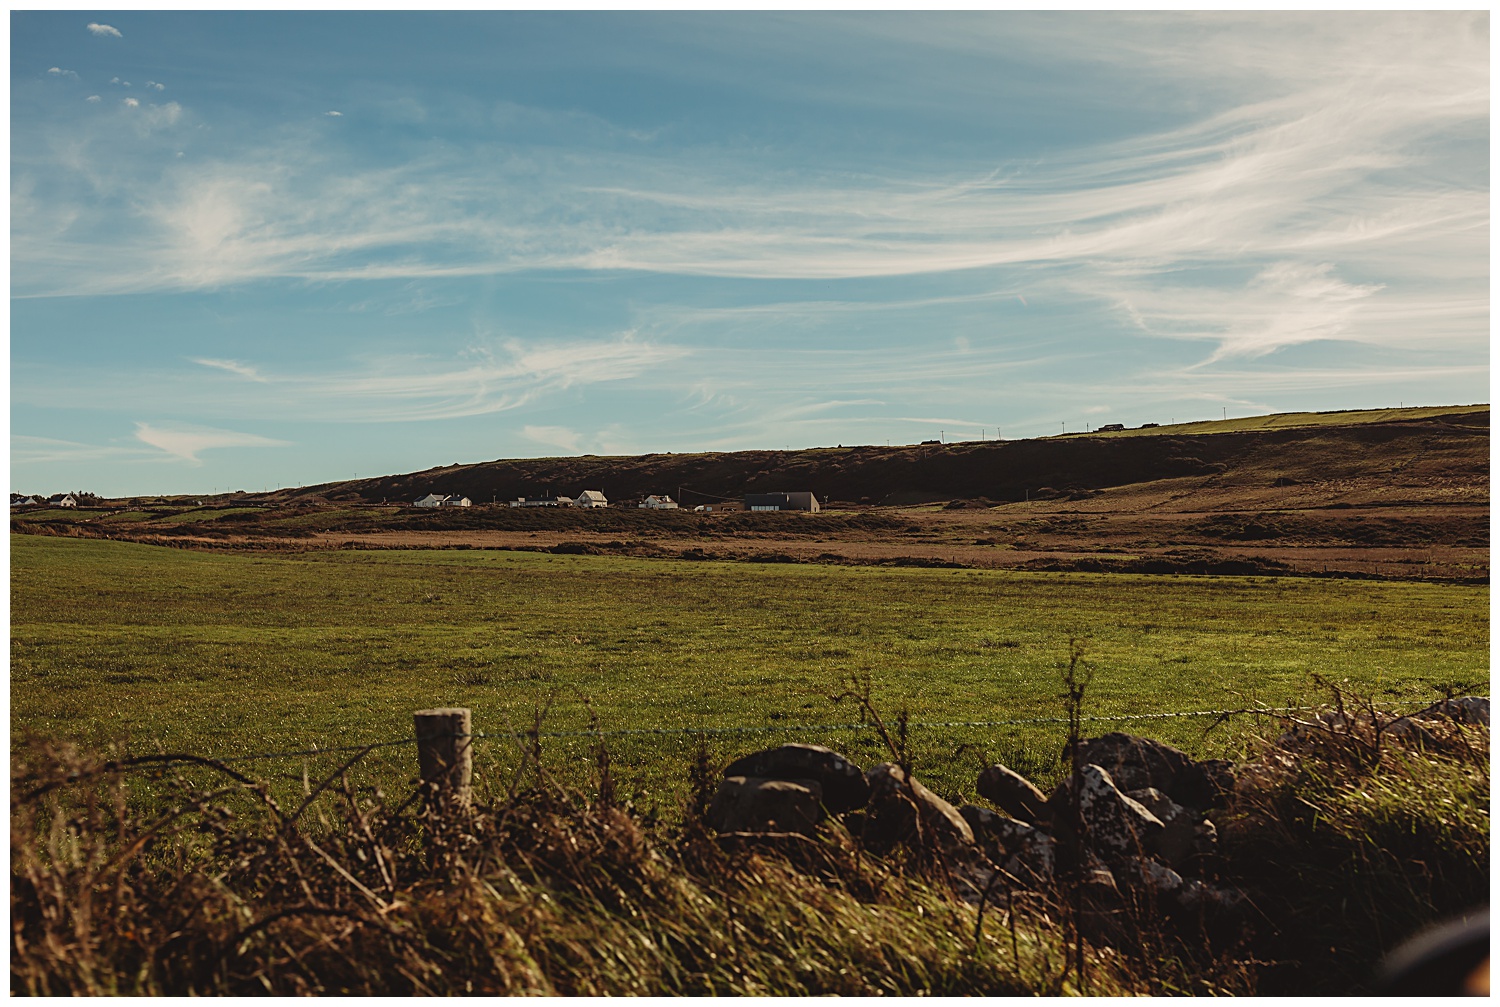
<point x="1137" y="763"/>
<point x="1013" y="794"/>
<point x="1184" y="833"/>
<point x="843" y="782"/>
<point x="1113" y="825"/>
<point x="1024" y="852"/>
<point x="755" y="804"/>
<point x="901" y="810"/>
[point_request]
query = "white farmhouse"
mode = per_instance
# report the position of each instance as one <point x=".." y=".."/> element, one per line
<point x="663" y="502"/>
<point x="430" y="500"/>
<point x="591" y="498"/>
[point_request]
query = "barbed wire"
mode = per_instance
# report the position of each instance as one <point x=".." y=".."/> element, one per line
<point x="514" y="735"/>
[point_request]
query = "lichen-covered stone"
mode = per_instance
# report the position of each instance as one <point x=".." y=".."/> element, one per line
<point x="1156" y="880"/>
<point x="1114" y="825"/>
<point x="1138" y="763"/>
<point x="1027" y="854"/>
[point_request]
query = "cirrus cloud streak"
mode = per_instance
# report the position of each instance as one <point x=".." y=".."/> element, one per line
<point x="1334" y="201"/>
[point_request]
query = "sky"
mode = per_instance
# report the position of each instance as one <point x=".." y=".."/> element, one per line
<point x="264" y="249"/>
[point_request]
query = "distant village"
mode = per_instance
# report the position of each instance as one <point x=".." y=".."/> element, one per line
<point x="804" y="501"/>
<point x="794" y="501"/>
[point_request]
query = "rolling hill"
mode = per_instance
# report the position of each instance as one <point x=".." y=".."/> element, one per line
<point x="1302" y="448"/>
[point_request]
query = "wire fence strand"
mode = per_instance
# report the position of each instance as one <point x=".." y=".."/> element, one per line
<point x="770" y="729"/>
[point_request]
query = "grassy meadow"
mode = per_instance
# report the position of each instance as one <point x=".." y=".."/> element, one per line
<point x="1280" y="421"/>
<point x="230" y="655"/>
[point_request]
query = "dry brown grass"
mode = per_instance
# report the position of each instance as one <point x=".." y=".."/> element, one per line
<point x="226" y="893"/>
<point x="171" y="876"/>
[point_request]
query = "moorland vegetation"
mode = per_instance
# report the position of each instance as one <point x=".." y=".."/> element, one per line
<point x="614" y="660"/>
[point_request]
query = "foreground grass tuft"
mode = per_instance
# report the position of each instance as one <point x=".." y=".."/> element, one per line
<point x="209" y="886"/>
<point x="1358" y="843"/>
<point x="228" y="893"/>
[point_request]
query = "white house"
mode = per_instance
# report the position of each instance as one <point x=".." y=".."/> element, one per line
<point x="663" y="502"/>
<point x="65" y="500"/>
<point x="591" y="498"/>
<point x="452" y="500"/>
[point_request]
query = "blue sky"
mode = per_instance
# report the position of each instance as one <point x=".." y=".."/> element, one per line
<point x="262" y="249"/>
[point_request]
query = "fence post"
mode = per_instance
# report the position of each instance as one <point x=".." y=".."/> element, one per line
<point x="445" y="754"/>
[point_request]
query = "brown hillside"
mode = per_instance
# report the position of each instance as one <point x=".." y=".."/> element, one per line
<point x="1406" y="452"/>
<point x="1399" y="496"/>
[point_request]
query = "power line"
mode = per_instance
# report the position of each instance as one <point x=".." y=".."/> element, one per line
<point x="708" y="496"/>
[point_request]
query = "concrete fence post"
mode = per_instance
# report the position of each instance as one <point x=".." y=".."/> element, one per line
<point x="445" y="755"/>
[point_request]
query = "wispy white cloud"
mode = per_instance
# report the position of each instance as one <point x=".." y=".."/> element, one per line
<point x="188" y="443"/>
<point x="232" y="366"/>
<point x="104" y="30"/>
<point x="27" y="450"/>
<point x="483" y="381"/>
<point x="156" y="117"/>
<point x="557" y="437"/>
<point x="153" y="85"/>
<point x="939" y="421"/>
<point x="612" y="439"/>
<point x="1326" y="186"/>
<point x="333" y="114"/>
<point x="494" y="381"/>
<point x="1284" y="304"/>
<point x="58" y="71"/>
<point x="131" y="102"/>
<point x="93" y="97"/>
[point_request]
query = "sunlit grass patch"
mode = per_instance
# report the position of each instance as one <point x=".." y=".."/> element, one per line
<point x="256" y="652"/>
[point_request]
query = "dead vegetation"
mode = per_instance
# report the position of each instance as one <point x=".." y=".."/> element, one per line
<point x="169" y="875"/>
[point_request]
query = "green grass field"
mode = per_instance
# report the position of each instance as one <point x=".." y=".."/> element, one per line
<point x="1281" y="421"/>
<point x="230" y="655"/>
